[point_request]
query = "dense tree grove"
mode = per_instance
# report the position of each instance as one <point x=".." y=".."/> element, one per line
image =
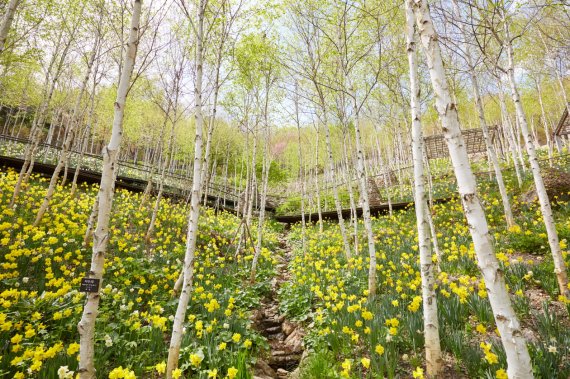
<point x="284" y="189"/>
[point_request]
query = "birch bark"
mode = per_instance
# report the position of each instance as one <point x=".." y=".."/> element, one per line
<point x="431" y="325"/>
<point x="86" y="326"/>
<point x="7" y="22"/>
<point x="548" y="218"/>
<point x="518" y="359"/>
<point x="177" y="328"/>
<point x="483" y="124"/>
<point x="69" y="137"/>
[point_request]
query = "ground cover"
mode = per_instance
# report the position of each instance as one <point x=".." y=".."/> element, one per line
<point x="383" y="338"/>
<point x="41" y="268"/>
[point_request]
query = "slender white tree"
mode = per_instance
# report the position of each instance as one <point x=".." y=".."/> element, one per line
<point x="7" y="22"/>
<point x="471" y="68"/>
<point x="548" y="218"/>
<point x="518" y="358"/>
<point x="431" y="324"/>
<point x="86" y="325"/>
<point x="70" y="134"/>
<point x="192" y="234"/>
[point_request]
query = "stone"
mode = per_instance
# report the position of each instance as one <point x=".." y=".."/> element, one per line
<point x="263" y="369"/>
<point x="273" y="330"/>
<point x="296" y="374"/>
<point x="288" y="327"/>
<point x="270" y="323"/>
<point x="256" y="316"/>
<point x="295" y="341"/>
<point x="285" y="360"/>
<point x="374" y="197"/>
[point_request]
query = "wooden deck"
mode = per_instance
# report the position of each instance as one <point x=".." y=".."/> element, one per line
<point x="131" y="184"/>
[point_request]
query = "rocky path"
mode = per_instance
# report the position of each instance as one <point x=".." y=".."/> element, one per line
<point x="285" y="338"/>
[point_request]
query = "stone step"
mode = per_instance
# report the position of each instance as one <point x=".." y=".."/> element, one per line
<point x="273" y="330"/>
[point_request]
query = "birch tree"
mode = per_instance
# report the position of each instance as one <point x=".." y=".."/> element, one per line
<point x="7" y="22"/>
<point x="357" y="49"/>
<point x="431" y="325"/>
<point x="71" y="129"/>
<point x="192" y="234"/>
<point x="264" y="51"/>
<point x="306" y="22"/>
<point x="86" y="326"/>
<point x="173" y="91"/>
<point x="518" y="358"/>
<point x="471" y="68"/>
<point x="559" y="264"/>
<point x="68" y="26"/>
<point x="497" y="21"/>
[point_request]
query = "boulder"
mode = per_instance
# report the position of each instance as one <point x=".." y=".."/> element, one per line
<point x="557" y="184"/>
<point x="374" y="197"/>
<point x="263" y="370"/>
<point x="295" y="341"/>
<point x="288" y="327"/>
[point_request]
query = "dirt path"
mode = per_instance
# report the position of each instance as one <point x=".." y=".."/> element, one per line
<point x="284" y="337"/>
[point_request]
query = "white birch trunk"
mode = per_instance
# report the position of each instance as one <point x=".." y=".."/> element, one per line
<point x="383" y="170"/>
<point x="361" y="173"/>
<point x="518" y="359"/>
<point x="338" y="205"/>
<point x="510" y="136"/>
<point x="483" y="124"/>
<point x="317" y="186"/>
<point x="69" y="137"/>
<point x="178" y="326"/>
<point x="433" y="232"/>
<point x="91" y="221"/>
<point x="559" y="264"/>
<point x="86" y="326"/>
<point x="165" y="163"/>
<point x="545" y="123"/>
<point x="261" y="218"/>
<point x="431" y="325"/>
<point x="7" y="22"/>
<point x="301" y="171"/>
<point x="348" y="179"/>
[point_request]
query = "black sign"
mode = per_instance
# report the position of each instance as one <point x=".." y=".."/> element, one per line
<point x="89" y="285"/>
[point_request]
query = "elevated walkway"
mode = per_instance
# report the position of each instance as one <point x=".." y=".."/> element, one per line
<point x="131" y="176"/>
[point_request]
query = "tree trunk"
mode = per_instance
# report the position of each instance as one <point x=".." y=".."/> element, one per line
<point x="362" y="179"/>
<point x="517" y="158"/>
<point x="338" y="205"/>
<point x="434" y="359"/>
<point x="86" y="326"/>
<point x="518" y="359"/>
<point x="559" y="264"/>
<point x="85" y="138"/>
<point x="265" y="179"/>
<point x="317" y="186"/>
<point x="348" y="179"/>
<point x="383" y="171"/>
<point x="483" y="124"/>
<point x="301" y="171"/>
<point x="177" y="328"/>
<point x="433" y="232"/>
<point x="166" y="161"/>
<point x="7" y="22"/>
<point x="545" y="122"/>
<point x="70" y="136"/>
